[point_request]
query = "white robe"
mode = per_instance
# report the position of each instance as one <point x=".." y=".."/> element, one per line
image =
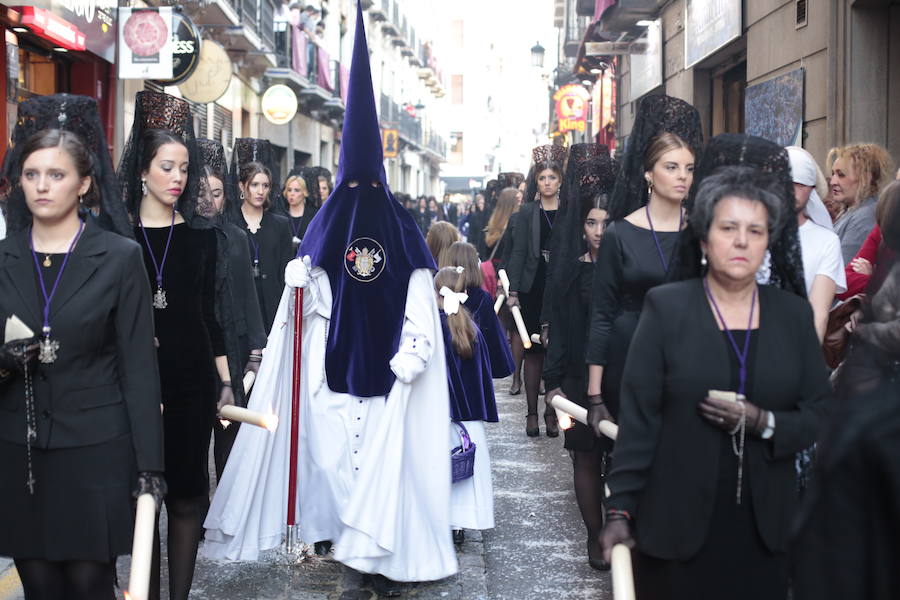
<point x="374" y="474"/>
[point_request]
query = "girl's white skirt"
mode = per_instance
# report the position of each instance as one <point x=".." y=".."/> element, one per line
<point x="472" y="499"/>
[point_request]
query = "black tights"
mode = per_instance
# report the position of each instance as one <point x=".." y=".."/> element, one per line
<point x="534" y="366"/>
<point x="518" y="353"/>
<point x="224" y="440"/>
<point x="67" y="580"/>
<point x="588" y="467"/>
<point x="186" y="516"/>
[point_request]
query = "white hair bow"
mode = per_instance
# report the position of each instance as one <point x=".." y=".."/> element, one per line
<point x="452" y="300"/>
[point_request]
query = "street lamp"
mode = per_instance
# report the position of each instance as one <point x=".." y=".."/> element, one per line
<point x="537" y="55"/>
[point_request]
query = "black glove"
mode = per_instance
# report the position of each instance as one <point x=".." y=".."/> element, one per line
<point x="616" y="531"/>
<point x="16" y="354"/>
<point x="545" y="334"/>
<point x="597" y="412"/>
<point x="226" y="396"/>
<point x="253" y="364"/>
<point x="153" y="483"/>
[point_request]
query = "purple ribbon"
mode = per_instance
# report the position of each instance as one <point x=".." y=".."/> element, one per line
<point x="252" y="238"/>
<point x="162" y="264"/>
<point x="741" y="356"/>
<point x="662" y="257"/>
<point x="37" y="265"/>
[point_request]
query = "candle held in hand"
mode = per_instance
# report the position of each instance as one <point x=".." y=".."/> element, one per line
<point x="622" y="575"/>
<point x="142" y="548"/>
<point x="243" y="415"/>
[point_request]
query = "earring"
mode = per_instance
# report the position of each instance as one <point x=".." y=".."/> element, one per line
<point x="537" y="196"/>
<point x="143" y="187"/>
<point x="703" y="260"/>
<point x="242" y="195"/>
<point x="81" y="199"/>
<point x="649" y="190"/>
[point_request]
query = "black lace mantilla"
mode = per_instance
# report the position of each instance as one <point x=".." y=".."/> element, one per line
<point x="656" y="115"/>
<point x="78" y="115"/>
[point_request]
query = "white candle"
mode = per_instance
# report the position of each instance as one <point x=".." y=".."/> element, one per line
<point x="504" y="280"/>
<point x="142" y="548"/>
<point x="249" y="378"/>
<point x="499" y="303"/>
<point x="243" y="415"/>
<point x="564" y="419"/>
<point x="535" y="339"/>
<point x="622" y="576"/>
<point x="520" y="326"/>
<point x="579" y="413"/>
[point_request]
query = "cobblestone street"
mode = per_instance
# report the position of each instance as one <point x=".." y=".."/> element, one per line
<point x="535" y="552"/>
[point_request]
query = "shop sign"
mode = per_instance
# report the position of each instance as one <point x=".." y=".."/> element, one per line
<point x="145" y="43"/>
<point x="279" y="104"/>
<point x="390" y="142"/>
<point x="95" y="20"/>
<point x="708" y="26"/>
<point x="50" y="27"/>
<point x="572" y="105"/>
<point x="647" y="67"/>
<point x="185" y="50"/>
<point x="211" y="78"/>
<point x="12" y="68"/>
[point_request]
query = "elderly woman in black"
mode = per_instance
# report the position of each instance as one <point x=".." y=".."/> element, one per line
<point x="723" y="384"/>
<point x="80" y="426"/>
<point x="528" y="266"/>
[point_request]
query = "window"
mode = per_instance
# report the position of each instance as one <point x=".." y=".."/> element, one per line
<point x="456" y="89"/>
<point x="456" y="148"/>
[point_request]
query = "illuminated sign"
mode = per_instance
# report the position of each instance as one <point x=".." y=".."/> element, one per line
<point x="573" y="103"/>
<point x="55" y="29"/>
<point x="279" y="104"/>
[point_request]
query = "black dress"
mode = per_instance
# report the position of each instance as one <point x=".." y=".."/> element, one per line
<point x="301" y="223"/>
<point x="532" y="301"/>
<point x="189" y="340"/>
<point x="733" y="561"/>
<point x="270" y="251"/>
<point x="564" y="365"/>
<point x="628" y="266"/>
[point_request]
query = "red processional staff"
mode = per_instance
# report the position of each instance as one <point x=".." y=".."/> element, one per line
<point x="295" y="420"/>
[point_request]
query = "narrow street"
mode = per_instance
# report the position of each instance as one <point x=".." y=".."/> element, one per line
<point x="535" y="552"/>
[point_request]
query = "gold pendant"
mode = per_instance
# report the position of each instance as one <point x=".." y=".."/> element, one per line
<point x="47" y="262"/>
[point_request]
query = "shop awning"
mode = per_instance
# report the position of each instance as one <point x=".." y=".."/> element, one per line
<point x="614" y="27"/>
<point x="623" y="16"/>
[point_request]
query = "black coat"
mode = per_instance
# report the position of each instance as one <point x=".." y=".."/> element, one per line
<point x="665" y="462"/>
<point x="105" y="381"/>
<point x="526" y="250"/>
<point x="247" y="315"/>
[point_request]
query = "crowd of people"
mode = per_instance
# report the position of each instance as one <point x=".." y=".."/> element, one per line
<point x="690" y="292"/>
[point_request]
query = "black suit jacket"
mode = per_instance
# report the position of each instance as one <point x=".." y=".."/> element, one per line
<point x="105" y="381"/>
<point x="526" y="250"/>
<point x="665" y="463"/>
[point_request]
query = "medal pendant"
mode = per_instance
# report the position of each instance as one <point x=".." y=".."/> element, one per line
<point x="159" y="299"/>
<point x="48" y="350"/>
<point x="47" y="262"/>
<point x="296" y="241"/>
<point x="256" y="272"/>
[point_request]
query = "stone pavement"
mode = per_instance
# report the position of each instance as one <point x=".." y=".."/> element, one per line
<point x="536" y="551"/>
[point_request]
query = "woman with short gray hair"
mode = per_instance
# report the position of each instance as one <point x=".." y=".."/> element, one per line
<point x="724" y="384"/>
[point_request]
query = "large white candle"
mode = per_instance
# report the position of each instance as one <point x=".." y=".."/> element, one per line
<point x="243" y="415"/>
<point x="142" y="548"/>
<point x="249" y="378"/>
<point x="520" y="326"/>
<point x="622" y="576"/>
<point x="498" y="304"/>
<point x="579" y="413"/>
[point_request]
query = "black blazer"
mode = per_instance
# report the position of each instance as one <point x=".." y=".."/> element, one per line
<point x="105" y="381"/>
<point x="526" y="250"/>
<point x="665" y="462"/>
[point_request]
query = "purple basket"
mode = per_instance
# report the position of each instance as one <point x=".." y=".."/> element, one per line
<point x="462" y="458"/>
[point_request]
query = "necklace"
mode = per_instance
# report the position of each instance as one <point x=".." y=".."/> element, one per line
<point x="255" y="245"/>
<point x="662" y="256"/>
<point x="738" y="433"/>
<point x="159" y="298"/>
<point x="49" y="347"/>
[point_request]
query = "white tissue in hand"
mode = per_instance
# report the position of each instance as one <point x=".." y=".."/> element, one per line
<point x="16" y="330"/>
<point x="296" y="274"/>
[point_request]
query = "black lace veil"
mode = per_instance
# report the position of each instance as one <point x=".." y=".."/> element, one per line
<point x="731" y="149"/>
<point x="590" y="178"/>
<point x="213" y="156"/>
<point x="78" y="115"/>
<point x="656" y="115"/>
<point x="549" y="156"/>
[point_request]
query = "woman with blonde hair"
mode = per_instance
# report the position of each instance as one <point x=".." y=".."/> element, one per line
<point x="858" y="171"/>
<point x="440" y="236"/>
<point x="298" y="207"/>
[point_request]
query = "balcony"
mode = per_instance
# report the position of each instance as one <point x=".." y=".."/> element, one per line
<point x="244" y="27"/>
<point x="379" y="9"/>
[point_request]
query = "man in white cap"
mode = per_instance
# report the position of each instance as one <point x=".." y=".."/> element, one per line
<point x="823" y="266"/>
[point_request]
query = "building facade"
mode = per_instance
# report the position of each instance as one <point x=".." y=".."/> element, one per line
<point x="818" y="73"/>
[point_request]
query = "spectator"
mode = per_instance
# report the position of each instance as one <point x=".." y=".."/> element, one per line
<point x="437" y="214"/>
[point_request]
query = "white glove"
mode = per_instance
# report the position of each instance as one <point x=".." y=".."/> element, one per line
<point x="296" y="274"/>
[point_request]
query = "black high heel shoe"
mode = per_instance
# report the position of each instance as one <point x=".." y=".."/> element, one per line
<point x="532" y="431"/>
<point x="381" y="585"/>
<point x="551" y="424"/>
<point x="516" y="388"/>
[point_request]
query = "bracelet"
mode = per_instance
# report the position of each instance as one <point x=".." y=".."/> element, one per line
<point x="613" y="514"/>
<point x="255" y="358"/>
<point x="591" y="400"/>
<point x="226" y="384"/>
